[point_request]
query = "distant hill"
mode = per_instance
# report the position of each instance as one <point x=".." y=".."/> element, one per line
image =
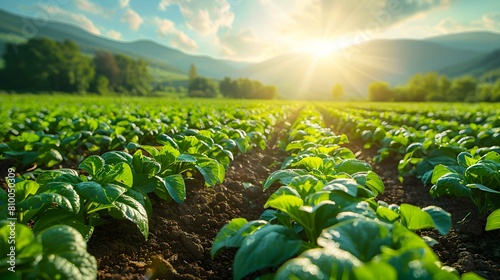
<point x="474" y="41"/>
<point x="14" y="28"/>
<point x="476" y="66"/>
<point x="394" y="61"/>
<point x="296" y="75"/>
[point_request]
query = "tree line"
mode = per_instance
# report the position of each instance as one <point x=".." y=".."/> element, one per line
<point x="242" y="88"/>
<point x="434" y="87"/>
<point x="45" y="65"/>
<point x="41" y="64"/>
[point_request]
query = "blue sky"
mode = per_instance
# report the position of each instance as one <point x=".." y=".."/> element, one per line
<point x="254" y="30"/>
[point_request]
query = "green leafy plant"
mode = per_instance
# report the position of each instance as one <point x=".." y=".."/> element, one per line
<point x="57" y="252"/>
<point x="478" y="179"/>
<point x="63" y="197"/>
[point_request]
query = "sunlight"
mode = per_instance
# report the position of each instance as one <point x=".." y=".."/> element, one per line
<point x="321" y="47"/>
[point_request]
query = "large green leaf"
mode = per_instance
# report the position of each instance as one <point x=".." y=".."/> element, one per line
<point x="59" y="252"/>
<point x="285" y="199"/>
<point x="45" y="199"/>
<point x="120" y="173"/>
<point x="441" y="218"/>
<point x="94" y="192"/>
<point x="320" y="263"/>
<point x="62" y="175"/>
<point x="493" y="220"/>
<point x="175" y="187"/>
<point x="144" y="165"/>
<point x="309" y="163"/>
<point x="26" y="188"/>
<point x="349" y="186"/>
<point x="269" y="246"/>
<point x="234" y="233"/>
<point x="483" y="188"/>
<point x="351" y="166"/>
<point x="26" y="248"/>
<point x="133" y="211"/>
<point x="305" y="185"/>
<point x="212" y="171"/>
<point x="465" y="159"/>
<point x="226" y="232"/>
<point x="440" y="171"/>
<point x="450" y="184"/>
<point x="146" y="184"/>
<point x="415" y="218"/>
<point x="374" y="183"/>
<point x="116" y="157"/>
<point x="66" y="190"/>
<point x="92" y="164"/>
<point x="284" y="176"/>
<point x="53" y="217"/>
<point x="361" y="237"/>
<point x="376" y="271"/>
<point x="65" y="255"/>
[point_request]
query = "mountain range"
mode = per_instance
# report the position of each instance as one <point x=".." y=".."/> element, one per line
<point x="297" y="75"/>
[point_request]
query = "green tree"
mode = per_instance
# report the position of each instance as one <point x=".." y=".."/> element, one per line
<point x="228" y="87"/>
<point x="463" y="89"/>
<point x="107" y="66"/>
<point x="203" y="87"/>
<point x="268" y="92"/>
<point x="246" y="88"/>
<point x="125" y="75"/>
<point x="193" y="73"/>
<point x="134" y="76"/>
<point x="101" y="85"/>
<point x="380" y="91"/>
<point x="337" y="92"/>
<point x="77" y="70"/>
<point x="41" y="64"/>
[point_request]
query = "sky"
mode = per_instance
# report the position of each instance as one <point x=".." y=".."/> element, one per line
<point x="254" y="30"/>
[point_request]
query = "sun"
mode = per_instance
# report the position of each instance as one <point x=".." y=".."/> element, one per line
<point x="321" y="47"/>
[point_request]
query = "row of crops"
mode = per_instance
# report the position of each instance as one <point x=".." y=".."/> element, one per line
<point x="454" y="149"/>
<point x="123" y="154"/>
<point x="71" y="165"/>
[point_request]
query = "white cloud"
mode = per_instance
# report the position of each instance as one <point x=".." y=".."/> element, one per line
<point x="244" y="44"/>
<point x="205" y="17"/>
<point x="164" y="4"/>
<point x="489" y="22"/>
<point x="70" y="17"/>
<point x="178" y="39"/>
<point x="124" y="3"/>
<point x="492" y="21"/>
<point x="88" y="6"/>
<point x="114" y="34"/>
<point x="164" y="26"/>
<point x="133" y="19"/>
<point x="181" y="41"/>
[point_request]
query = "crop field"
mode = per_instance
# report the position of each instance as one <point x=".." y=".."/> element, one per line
<point x="152" y="188"/>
